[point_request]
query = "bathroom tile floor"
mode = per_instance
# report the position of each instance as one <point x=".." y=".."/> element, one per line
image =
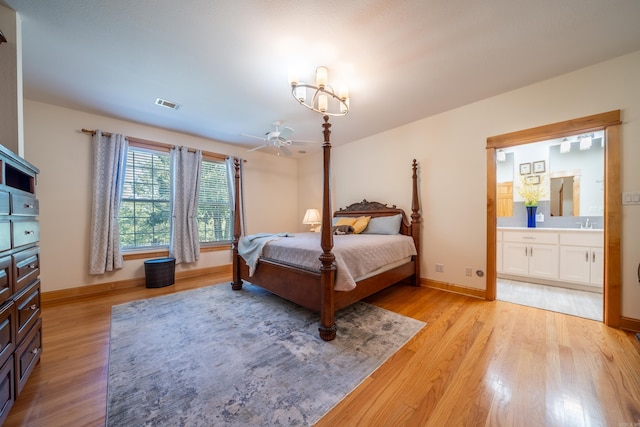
<point x="552" y="298"/>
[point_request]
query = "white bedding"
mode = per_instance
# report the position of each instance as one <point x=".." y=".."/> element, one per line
<point x="357" y="255"/>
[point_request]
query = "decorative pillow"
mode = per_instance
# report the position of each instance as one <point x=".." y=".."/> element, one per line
<point x="345" y="220"/>
<point x="342" y="229"/>
<point x="384" y="225"/>
<point x="360" y="224"/>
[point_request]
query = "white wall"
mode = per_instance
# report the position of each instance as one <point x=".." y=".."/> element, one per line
<point x="450" y="148"/>
<point x="11" y="82"/>
<point x="55" y="144"/>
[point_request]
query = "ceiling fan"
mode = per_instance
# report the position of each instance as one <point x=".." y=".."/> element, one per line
<point x="281" y="139"/>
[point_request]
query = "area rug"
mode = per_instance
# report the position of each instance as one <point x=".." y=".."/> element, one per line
<point x="217" y="357"/>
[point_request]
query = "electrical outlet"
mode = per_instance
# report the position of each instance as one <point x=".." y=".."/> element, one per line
<point x="469" y="271"/>
<point x="439" y="268"/>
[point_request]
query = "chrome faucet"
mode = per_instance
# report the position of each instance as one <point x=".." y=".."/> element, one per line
<point x="587" y="224"/>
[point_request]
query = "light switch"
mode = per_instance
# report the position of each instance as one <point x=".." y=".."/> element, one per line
<point x="631" y="198"/>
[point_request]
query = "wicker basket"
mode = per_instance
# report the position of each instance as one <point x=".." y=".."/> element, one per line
<point x="160" y="272"/>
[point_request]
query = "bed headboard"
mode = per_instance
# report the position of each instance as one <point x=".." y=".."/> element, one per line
<point x="375" y="209"/>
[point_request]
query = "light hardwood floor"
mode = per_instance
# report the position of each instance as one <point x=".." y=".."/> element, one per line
<point x="476" y="363"/>
<point x="563" y="300"/>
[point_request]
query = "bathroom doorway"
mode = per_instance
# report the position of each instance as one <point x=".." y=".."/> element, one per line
<point x="555" y="262"/>
<point x="610" y="124"/>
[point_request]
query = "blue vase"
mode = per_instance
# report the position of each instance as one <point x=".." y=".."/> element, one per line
<point x="531" y="216"/>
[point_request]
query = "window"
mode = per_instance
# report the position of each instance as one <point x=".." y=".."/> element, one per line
<point x="145" y="208"/>
<point x="214" y="204"/>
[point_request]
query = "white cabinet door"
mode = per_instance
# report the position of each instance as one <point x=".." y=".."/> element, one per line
<point x="575" y="264"/>
<point x="522" y="259"/>
<point x="515" y="258"/>
<point x="543" y="261"/>
<point x="581" y="264"/>
<point x="597" y="266"/>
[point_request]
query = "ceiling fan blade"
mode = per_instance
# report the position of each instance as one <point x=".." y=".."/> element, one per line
<point x="285" y="150"/>
<point x="259" y="147"/>
<point x="253" y="136"/>
<point x="286" y="133"/>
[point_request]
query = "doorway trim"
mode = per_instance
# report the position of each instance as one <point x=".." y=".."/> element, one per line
<point x="610" y="123"/>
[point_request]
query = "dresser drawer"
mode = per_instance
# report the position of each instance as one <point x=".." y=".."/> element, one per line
<point x="7" y="331"/>
<point x="7" y="389"/>
<point x="26" y="268"/>
<point x="5" y="279"/>
<point x="4" y="203"/>
<point x="22" y="204"/>
<point x="25" y="232"/>
<point x="5" y="235"/>
<point x="27" y="310"/>
<point x="27" y="355"/>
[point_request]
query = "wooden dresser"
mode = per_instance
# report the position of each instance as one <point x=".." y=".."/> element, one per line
<point x="20" y="323"/>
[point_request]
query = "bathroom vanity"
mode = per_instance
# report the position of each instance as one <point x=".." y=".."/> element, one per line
<point x="557" y="256"/>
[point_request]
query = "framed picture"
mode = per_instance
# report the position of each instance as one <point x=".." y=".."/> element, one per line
<point x="533" y="179"/>
<point x="538" y="167"/>
<point x="525" y="168"/>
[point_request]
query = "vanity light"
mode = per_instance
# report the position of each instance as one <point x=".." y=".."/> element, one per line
<point x="585" y="142"/>
<point x="565" y="146"/>
<point x="501" y="156"/>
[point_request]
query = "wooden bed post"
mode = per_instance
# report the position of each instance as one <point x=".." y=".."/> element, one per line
<point x="237" y="228"/>
<point x="415" y="221"/>
<point x="327" y="269"/>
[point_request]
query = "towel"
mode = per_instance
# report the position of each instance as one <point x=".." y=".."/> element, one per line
<point x="250" y="247"/>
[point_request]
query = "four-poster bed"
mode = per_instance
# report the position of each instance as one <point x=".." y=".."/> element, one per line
<point x="314" y="288"/>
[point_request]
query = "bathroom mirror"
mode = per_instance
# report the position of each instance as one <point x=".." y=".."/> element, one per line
<point x="575" y="172"/>
<point x="576" y="178"/>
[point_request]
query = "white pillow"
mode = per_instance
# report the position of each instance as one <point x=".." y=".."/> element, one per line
<point x="384" y="225"/>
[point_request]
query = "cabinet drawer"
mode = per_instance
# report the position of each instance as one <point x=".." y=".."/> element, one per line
<point x="4" y="203"/>
<point x="27" y="310"/>
<point x="25" y="232"/>
<point x="7" y="389"/>
<point x="594" y="239"/>
<point x="26" y="268"/>
<point x="5" y="279"/>
<point x="24" y="205"/>
<point x="27" y="355"/>
<point x="530" y="237"/>
<point x="5" y="235"/>
<point x="7" y="332"/>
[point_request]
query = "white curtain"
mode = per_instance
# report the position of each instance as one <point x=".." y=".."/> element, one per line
<point x="109" y="160"/>
<point x="231" y="174"/>
<point x="185" y="165"/>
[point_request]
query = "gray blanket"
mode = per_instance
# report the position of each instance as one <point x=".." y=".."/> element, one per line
<point x="250" y="247"/>
<point x="356" y="254"/>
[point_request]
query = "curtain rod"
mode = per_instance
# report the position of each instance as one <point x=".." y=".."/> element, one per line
<point x="92" y="132"/>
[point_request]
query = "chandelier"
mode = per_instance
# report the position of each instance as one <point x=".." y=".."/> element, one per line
<point x="324" y="98"/>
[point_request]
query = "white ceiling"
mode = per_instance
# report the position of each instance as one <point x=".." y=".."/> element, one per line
<point x="227" y="61"/>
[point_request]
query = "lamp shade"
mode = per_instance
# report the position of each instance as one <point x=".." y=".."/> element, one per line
<point x="312" y="217"/>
